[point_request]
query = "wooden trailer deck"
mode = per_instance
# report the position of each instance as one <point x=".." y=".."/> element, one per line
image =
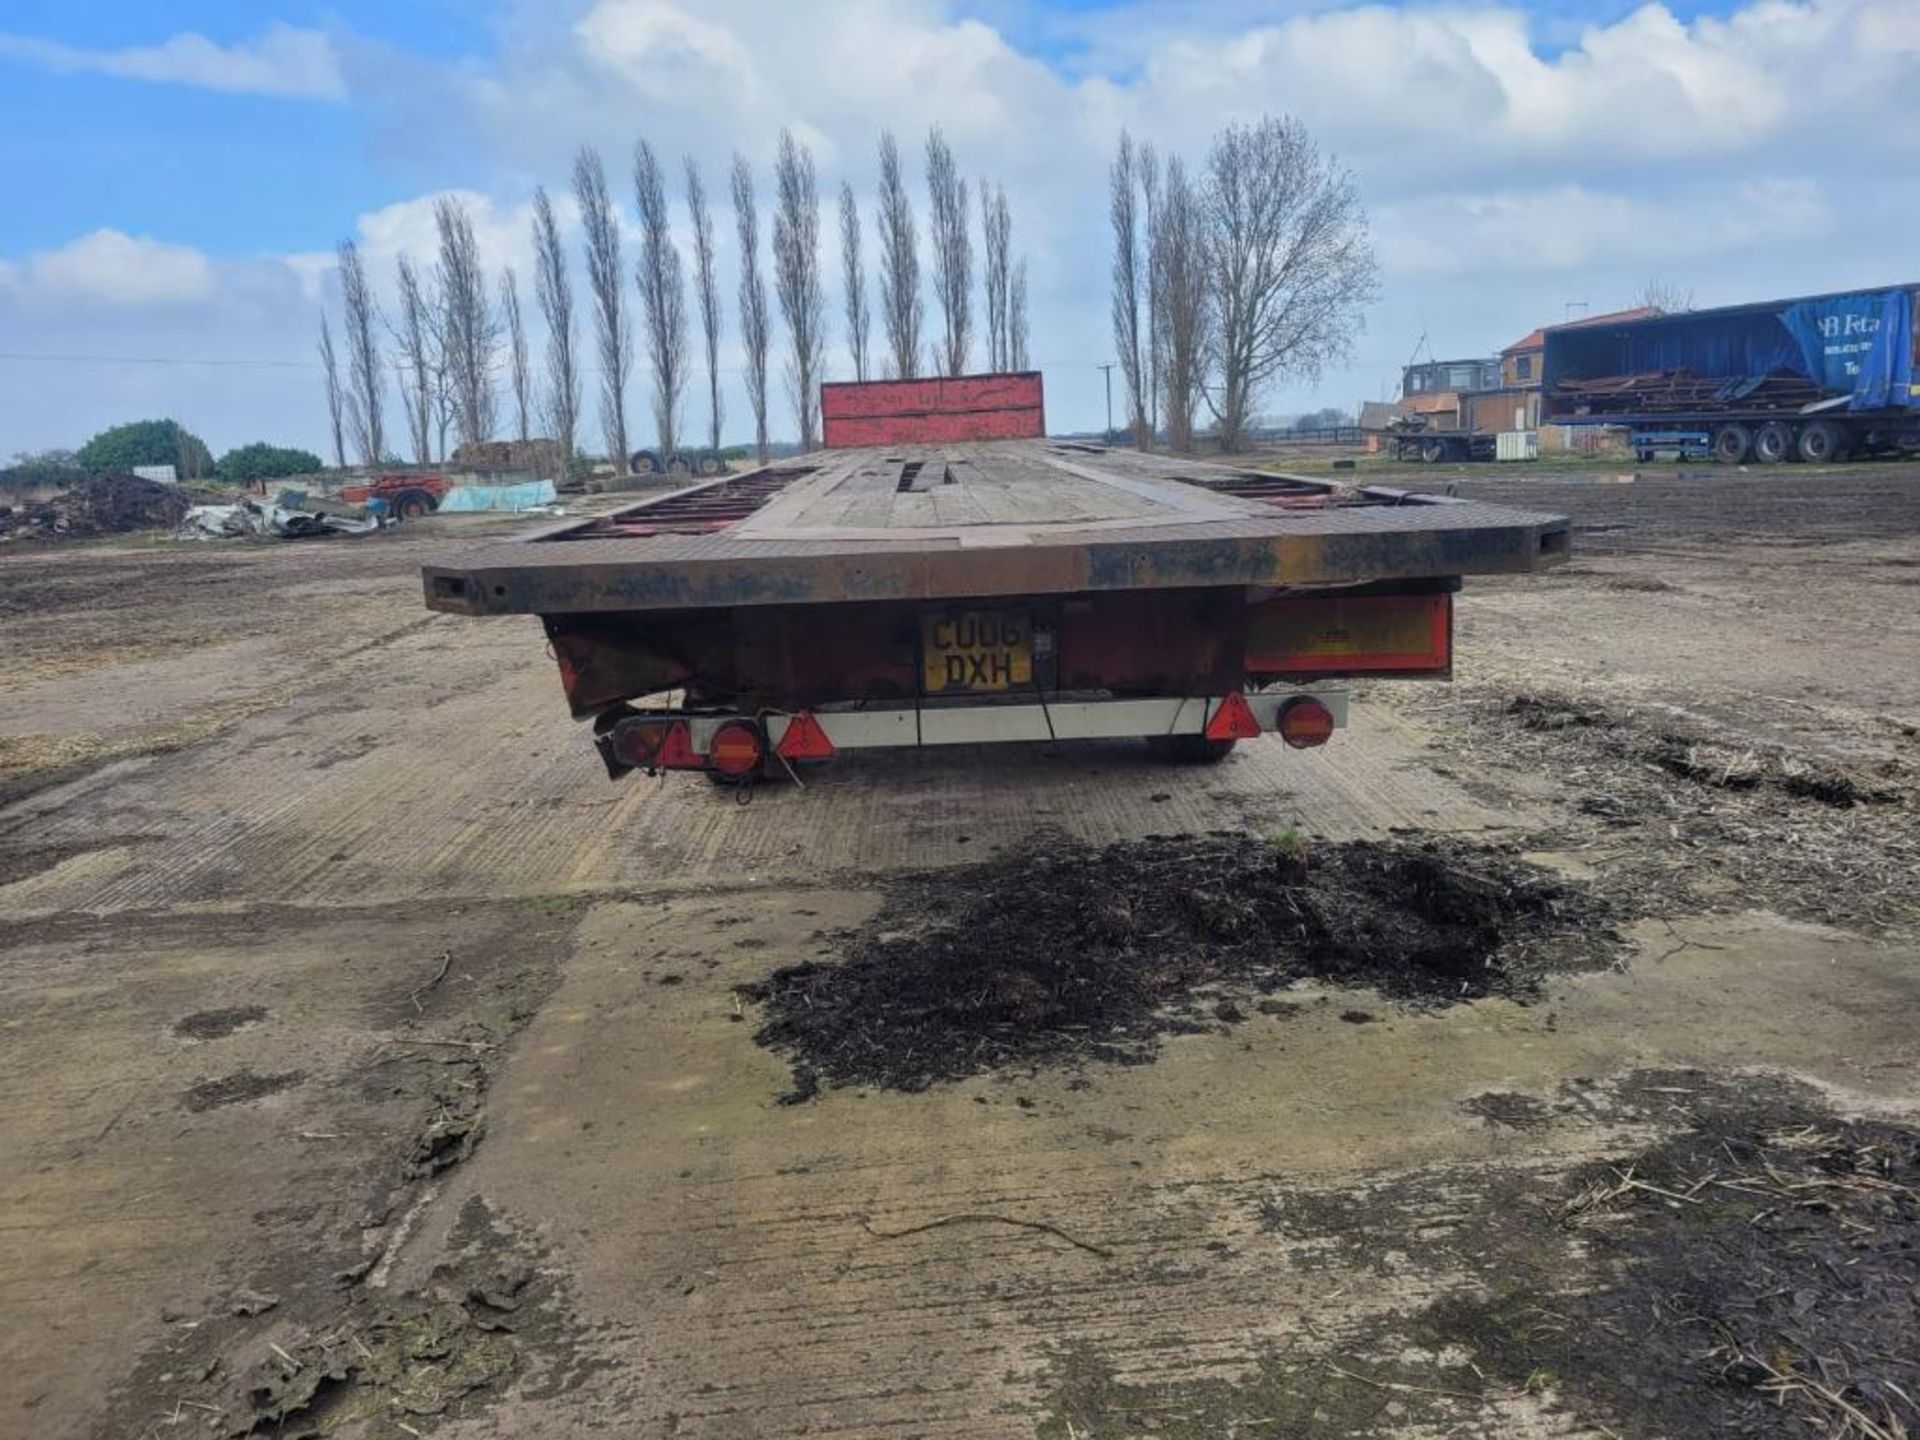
<point x="1022" y="517"/>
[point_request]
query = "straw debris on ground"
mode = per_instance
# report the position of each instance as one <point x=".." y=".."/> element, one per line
<point x="1675" y="816"/>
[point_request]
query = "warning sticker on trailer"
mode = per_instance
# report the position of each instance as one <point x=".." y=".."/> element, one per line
<point x="974" y="650"/>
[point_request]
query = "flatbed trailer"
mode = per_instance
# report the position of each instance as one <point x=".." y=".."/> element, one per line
<point x="1025" y="590"/>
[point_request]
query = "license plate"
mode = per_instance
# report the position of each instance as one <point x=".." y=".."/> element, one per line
<point x="977" y="650"/>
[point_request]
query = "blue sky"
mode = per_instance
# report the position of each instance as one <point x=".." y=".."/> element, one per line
<point x="184" y="170"/>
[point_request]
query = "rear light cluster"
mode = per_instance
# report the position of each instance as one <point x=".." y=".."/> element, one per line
<point x="736" y="750"/>
<point x="1305" y="722"/>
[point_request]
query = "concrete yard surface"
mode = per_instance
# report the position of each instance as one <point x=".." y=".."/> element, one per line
<point x="371" y="1065"/>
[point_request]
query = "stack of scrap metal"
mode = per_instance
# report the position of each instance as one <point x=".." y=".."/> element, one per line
<point x="1681" y="391"/>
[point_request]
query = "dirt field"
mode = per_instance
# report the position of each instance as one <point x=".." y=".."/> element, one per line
<point x="370" y="1065"/>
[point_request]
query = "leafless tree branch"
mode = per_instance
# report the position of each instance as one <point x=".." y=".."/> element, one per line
<point x="1017" y="319"/>
<point x="753" y="300"/>
<point x="553" y="290"/>
<point x="365" y="377"/>
<point x="1290" y="263"/>
<point x="519" y="378"/>
<point x="996" y="227"/>
<point x="706" y="290"/>
<point x="1181" y="259"/>
<point x="1123" y="210"/>
<point x="470" y="329"/>
<point x="796" y="270"/>
<point x="606" y="281"/>
<point x="663" y="299"/>
<point x="952" y="252"/>
<point x="413" y="360"/>
<point x="902" y="308"/>
<point x="336" y="397"/>
<point x="854" y="280"/>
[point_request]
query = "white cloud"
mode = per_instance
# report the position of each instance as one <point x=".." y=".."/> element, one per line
<point x="1510" y="168"/>
<point x="114" y="270"/>
<point x="1571" y="227"/>
<point x="282" y="61"/>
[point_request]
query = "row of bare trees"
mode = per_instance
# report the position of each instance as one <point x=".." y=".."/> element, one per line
<point x="447" y="335"/>
<point x="450" y="328"/>
<point x="1254" y="271"/>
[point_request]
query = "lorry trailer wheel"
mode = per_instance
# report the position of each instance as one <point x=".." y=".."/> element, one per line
<point x="1822" y="443"/>
<point x="1433" y="452"/>
<point x="1190" y="749"/>
<point x="412" y="504"/>
<point x="1773" y="443"/>
<point x="1732" y="444"/>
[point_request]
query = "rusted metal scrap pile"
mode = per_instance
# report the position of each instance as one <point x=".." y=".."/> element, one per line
<point x="98" y="505"/>
<point x="1681" y="391"/>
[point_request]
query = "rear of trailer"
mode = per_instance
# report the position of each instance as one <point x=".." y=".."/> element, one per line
<point x="931" y="593"/>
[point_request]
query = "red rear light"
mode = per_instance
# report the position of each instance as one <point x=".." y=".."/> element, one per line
<point x="654" y="745"/>
<point x="736" y="750"/>
<point x="1305" y="722"/>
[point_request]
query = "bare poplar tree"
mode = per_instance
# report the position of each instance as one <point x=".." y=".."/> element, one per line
<point x="1123" y="210"/>
<point x="413" y="359"/>
<point x="1151" y="340"/>
<point x="854" y="276"/>
<point x="1182" y="260"/>
<point x="753" y="300"/>
<point x="606" y="281"/>
<point x="901" y="305"/>
<point x="519" y="377"/>
<point x="336" y="397"/>
<point x="996" y="228"/>
<point x="706" y="289"/>
<point x="952" y="252"/>
<point x="1289" y="259"/>
<point x="470" y="331"/>
<point x="1017" y="319"/>
<point x="365" y="380"/>
<point x="663" y="299"/>
<point x="796" y="277"/>
<point x="553" y="291"/>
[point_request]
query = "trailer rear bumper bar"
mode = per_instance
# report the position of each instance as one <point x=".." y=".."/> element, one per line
<point x="677" y="740"/>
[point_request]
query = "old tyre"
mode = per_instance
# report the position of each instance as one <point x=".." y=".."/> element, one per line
<point x="679" y="465"/>
<point x="1190" y="749"/>
<point x="710" y="464"/>
<point x="1773" y="443"/>
<point x="1822" y="442"/>
<point x="645" y="462"/>
<point x="412" y="504"/>
<point x="1433" y="451"/>
<point x="1732" y="444"/>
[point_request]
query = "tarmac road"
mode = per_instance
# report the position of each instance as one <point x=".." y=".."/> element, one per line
<point x="304" y="891"/>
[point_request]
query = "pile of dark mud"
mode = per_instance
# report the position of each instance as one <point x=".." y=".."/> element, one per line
<point x="115" y="504"/>
<point x="1059" y="953"/>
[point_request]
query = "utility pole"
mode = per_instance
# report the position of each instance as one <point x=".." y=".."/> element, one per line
<point x="1107" y="371"/>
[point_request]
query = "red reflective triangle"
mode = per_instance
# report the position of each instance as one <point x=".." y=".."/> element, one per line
<point x="1233" y="721"/>
<point x="805" y="740"/>
<point x="676" y="750"/>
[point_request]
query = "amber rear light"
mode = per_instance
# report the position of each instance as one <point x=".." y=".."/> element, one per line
<point x="735" y="750"/>
<point x="1305" y="722"/>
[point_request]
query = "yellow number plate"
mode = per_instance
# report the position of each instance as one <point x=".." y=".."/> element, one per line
<point x="977" y="650"/>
